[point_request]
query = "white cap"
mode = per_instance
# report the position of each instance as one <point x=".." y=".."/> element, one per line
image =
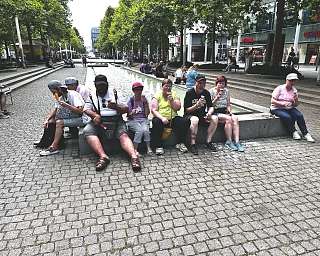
<point x="292" y="76"/>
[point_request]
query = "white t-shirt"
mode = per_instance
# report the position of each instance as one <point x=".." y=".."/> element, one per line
<point x="102" y="102"/>
<point x="84" y="92"/>
<point x="73" y="98"/>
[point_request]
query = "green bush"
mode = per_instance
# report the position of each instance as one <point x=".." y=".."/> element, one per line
<point x="280" y="71"/>
<point x="216" y="66"/>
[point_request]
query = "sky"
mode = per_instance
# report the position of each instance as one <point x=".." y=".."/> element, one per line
<point x="87" y="14"/>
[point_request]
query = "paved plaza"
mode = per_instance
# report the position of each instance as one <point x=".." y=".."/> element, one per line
<point x="265" y="201"/>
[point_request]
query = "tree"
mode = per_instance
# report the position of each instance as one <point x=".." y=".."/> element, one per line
<point x="103" y="43"/>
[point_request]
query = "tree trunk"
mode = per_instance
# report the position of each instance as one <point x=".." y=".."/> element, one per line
<point x="277" y="50"/>
<point x="15" y="49"/>
<point x="181" y="44"/>
<point x="213" y="57"/>
<point x="30" y="42"/>
<point x="7" y="50"/>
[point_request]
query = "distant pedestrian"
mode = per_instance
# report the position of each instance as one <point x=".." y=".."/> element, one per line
<point x="84" y="61"/>
<point x="191" y="76"/>
<point x="283" y="104"/>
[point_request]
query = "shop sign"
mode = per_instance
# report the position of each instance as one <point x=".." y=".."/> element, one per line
<point x="247" y="40"/>
<point x="311" y="34"/>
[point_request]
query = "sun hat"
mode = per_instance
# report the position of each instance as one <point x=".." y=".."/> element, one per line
<point x="55" y="84"/>
<point x="70" y="80"/>
<point x="292" y="76"/>
<point x="137" y="84"/>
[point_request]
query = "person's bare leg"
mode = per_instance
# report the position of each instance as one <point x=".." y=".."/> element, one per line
<point x="194" y="122"/>
<point x="58" y="134"/>
<point x="235" y="128"/>
<point x="96" y="145"/>
<point x="212" y="127"/>
<point x="127" y="145"/>
<point x="226" y="119"/>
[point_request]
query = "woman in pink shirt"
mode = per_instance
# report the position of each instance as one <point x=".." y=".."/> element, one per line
<point x="283" y="104"/>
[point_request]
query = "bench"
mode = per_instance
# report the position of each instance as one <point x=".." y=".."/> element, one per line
<point x="257" y="125"/>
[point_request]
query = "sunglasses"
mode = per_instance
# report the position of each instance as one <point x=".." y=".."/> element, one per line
<point x="104" y="103"/>
<point x="138" y="89"/>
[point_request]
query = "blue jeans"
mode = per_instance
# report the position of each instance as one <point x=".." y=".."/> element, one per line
<point x="289" y="117"/>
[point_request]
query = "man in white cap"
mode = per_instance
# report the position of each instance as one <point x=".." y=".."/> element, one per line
<point x="73" y="84"/>
<point x="67" y="112"/>
<point x="283" y="104"/>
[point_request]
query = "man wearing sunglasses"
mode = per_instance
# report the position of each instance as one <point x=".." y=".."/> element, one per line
<point x="198" y="109"/>
<point x="107" y="123"/>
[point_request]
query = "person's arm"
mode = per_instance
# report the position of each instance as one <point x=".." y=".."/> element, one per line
<point x="228" y="103"/>
<point x="120" y="108"/>
<point x="155" y="111"/>
<point x="189" y="108"/>
<point x="146" y="106"/>
<point x="78" y="110"/>
<point x="175" y="103"/>
<point x="51" y="115"/>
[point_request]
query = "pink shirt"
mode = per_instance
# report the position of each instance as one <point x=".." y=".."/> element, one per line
<point x="280" y="93"/>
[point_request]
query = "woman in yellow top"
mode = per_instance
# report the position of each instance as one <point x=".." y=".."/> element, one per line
<point x="164" y="107"/>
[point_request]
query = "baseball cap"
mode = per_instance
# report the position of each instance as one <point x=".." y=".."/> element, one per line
<point x="70" y="81"/>
<point x="137" y="85"/>
<point x="55" y="84"/>
<point x="292" y="76"/>
<point x="200" y="77"/>
<point x="100" y="80"/>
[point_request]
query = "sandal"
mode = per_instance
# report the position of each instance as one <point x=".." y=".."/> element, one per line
<point x="136" y="165"/>
<point x="102" y="163"/>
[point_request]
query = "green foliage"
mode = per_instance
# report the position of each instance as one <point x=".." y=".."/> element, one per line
<point x="103" y="43"/>
<point x="45" y="19"/>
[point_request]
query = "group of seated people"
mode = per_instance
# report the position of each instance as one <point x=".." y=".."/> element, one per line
<point x="102" y="115"/>
<point x="159" y="70"/>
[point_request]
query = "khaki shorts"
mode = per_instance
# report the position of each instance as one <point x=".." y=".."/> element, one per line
<point x="93" y="129"/>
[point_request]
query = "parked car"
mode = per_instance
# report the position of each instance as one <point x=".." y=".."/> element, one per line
<point x="69" y="63"/>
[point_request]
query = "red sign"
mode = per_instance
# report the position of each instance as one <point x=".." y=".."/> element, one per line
<point x="311" y="34"/>
<point x="247" y="40"/>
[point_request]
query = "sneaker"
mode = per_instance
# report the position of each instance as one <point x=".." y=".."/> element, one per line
<point x="182" y="148"/>
<point x="296" y="135"/>
<point x="229" y="145"/>
<point x="3" y="116"/>
<point x="239" y="147"/>
<point x="194" y="149"/>
<point x="149" y="152"/>
<point x="211" y="146"/>
<point x="309" y="138"/>
<point x="49" y="151"/>
<point x="159" y="151"/>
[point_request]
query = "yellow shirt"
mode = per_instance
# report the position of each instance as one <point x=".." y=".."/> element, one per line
<point x="164" y="107"/>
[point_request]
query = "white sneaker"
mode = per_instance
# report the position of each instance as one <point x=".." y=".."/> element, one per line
<point x="296" y="135"/>
<point x="159" y="151"/>
<point x="182" y="148"/>
<point x="309" y="138"/>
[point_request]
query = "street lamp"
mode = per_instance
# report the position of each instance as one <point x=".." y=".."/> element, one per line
<point x="20" y="42"/>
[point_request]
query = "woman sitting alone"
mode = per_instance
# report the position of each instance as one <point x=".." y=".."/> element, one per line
<point x="138" y="111"/>
<point x="222" y="108"/>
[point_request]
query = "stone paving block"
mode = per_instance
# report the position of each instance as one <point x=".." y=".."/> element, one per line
<point x="230" y="204"/>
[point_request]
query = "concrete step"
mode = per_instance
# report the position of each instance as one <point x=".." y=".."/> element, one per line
<point x="13" y="76"/>
<point x="35" y="77"/>
<point x="306" y="95"/>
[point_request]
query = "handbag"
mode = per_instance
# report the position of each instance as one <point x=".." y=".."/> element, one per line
<point x="167" y="131"/>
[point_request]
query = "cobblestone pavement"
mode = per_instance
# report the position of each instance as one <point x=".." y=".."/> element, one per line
<point x="262" y="202"/>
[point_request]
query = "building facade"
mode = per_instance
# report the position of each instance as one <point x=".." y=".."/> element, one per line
<point x="260" y="33"/>
<point x="94" y="37"/>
